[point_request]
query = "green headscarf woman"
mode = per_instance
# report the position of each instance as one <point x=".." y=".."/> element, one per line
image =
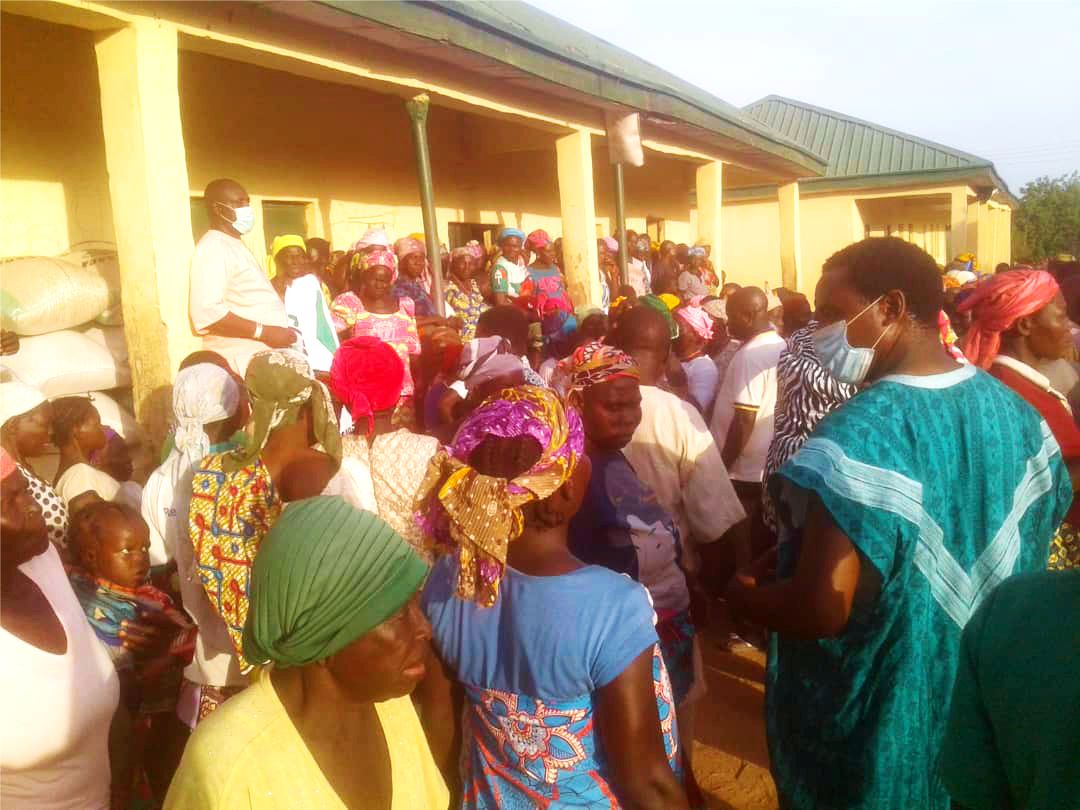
<point x="335" y="616"/>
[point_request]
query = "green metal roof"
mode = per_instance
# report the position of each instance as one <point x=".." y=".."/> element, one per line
<point x="541" y="45"/>
<point x="854" y="148"/>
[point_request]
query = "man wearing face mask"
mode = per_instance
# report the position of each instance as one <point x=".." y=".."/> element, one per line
<point x="898" y="516"/>
<point x="232" y="303"/>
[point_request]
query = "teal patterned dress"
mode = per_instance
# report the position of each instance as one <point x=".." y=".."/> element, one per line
<point x="946" y="485"/>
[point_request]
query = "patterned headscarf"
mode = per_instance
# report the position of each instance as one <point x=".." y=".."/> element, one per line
<point x="476" y="248"/>
<point x="480" y="515"/>
<point x="379" y="257"/>
<point x="596" y="363"/>
<point x="279" y="384"/>
<point x="611" y="244"/>
<point x="367" y="376"/>
<point x="537" y="239"/>
<point x="997" y="303"/>
<point x="372" y="237"/>
<point x="697" y="320"/>
<point x="407" y="245"/>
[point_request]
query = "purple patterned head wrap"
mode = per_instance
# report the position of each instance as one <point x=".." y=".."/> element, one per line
<point x="478" y="515"/>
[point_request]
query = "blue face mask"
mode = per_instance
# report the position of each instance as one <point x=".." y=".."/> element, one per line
<point x="847" y="363"/>
<point x="245" y="218"/>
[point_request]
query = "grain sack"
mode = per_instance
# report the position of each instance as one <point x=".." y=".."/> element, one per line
<point x="40" y="294"/>
<point x="66" y="363"/>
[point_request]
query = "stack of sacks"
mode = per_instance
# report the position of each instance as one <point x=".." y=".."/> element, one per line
<point x="65" y="310"/>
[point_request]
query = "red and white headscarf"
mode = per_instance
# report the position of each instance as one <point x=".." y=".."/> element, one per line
<point x="696" y="319"/>
<point x="997" y="303"/>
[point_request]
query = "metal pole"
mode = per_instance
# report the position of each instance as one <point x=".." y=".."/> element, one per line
<point x="418" y="112"/>
<point x="620" y="228"/>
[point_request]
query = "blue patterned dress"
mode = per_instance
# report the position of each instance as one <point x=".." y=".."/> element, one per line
<point x="946" y="485"/>
<point x="531" y="665"/>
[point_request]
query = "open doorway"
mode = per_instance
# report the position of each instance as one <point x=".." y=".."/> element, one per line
<point x="461" y="233"/>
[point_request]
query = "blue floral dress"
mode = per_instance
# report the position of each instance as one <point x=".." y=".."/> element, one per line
<point x="531" y="666"/>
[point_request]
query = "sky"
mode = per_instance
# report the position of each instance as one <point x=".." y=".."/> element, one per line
<point x="1000" y="80"/>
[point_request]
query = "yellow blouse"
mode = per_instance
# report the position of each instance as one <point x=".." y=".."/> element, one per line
<point x="248" y="754"/>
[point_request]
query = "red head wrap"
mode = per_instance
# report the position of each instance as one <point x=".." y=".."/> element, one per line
<point x="537" y="239"/>
<point x="367" y="375"/>
<point x="997" y="303"/>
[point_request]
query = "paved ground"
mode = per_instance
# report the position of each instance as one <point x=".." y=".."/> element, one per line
<point x="731" y="761"/>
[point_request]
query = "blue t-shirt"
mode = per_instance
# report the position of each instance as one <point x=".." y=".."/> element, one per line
<point x="530" y="665"/>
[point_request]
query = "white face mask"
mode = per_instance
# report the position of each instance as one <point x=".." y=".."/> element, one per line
<point x="245" y="218"/>
<point x="847" y="363"/>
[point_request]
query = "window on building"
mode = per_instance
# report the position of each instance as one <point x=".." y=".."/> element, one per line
<point x="281" y="217"/>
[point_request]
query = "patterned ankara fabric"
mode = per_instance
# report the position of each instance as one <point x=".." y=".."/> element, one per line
<point x="478" y="515"/>
<point x="229" y="516"/>
<point x="946" y="484"/>
<point x="468" y="305"/>
<point x="423" y="306"/>
<point x="396" y="328"/>
<point x="531" y="666"/>
<point x="807" y="394"/>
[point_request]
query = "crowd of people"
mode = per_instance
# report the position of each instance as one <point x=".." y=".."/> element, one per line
<point x="398" y="557"/>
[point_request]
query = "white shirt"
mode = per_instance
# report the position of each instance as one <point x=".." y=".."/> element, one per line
<point x="57" y="709"/>
<point x="226" y="278"/>
<point x="673" y="452"/>
<point x="638" y="275"/>
<point x="703" y="378"/>
<point x="750" y="384"/>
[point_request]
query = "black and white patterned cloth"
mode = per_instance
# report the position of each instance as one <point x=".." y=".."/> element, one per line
<point x="52" y="507"/>
<point x="806" y="394"/>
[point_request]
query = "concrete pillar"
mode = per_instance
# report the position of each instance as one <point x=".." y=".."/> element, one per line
<point x="710" y="198"/>
<point x="790" y="241"/>
<point x="1004" y="235"/>
<point x="958" y="223"/>
<point x="578" y="203"/>
<point x="148" y="186"/>
<point x="985" y="225"/>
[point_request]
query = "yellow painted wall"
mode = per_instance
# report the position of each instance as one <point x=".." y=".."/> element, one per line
<point x="750" y="248"/>
<point x="54" y="189"/>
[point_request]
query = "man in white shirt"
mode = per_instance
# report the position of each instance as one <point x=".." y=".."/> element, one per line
<point x="637" y="270"/>
<point x="742" y="422"/>
<point x="672" y="450"/>
<point x="232" y="303"/>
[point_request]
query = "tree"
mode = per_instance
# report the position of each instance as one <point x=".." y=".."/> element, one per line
<point x="1048" y="220"/>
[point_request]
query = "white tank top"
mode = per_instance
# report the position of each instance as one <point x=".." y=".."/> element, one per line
<point x="57" y="709"/>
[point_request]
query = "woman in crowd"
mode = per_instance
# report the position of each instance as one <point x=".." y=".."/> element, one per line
<point x="1018" y="321"/>
<point x="463" y="295"/>
<point x="373" y="309"/>
<point x="693" y="281"/>
<point x="548" y="686"/>
<point x="238" y="496"/>
<point x="58" y="688"/>
<point x="208" y="409"/>
<point x="546" y="290"/>
<point x="78" y="433"/>
<point x="621" y="524"/>
<point x="610" y="280"/>
<point x="695" y="332"/>
<point x="366" y="378"/>
<point x="897" y="518"/>
<point x="509" y="272"/>
<point x="25" y="433"/>
<point x="305" y="298"/>
<point x="414" y="278"/>
<point x="329" y="724"/>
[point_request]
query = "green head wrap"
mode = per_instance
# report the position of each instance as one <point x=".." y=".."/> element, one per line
<point x="279" y="384"/>
<point x="325" y="575"/>
<point x="654" y="302"/>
